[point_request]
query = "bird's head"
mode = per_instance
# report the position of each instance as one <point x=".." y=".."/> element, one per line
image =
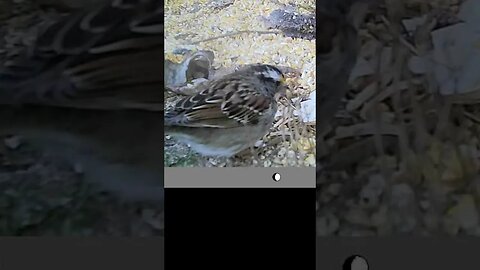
<point x="270" y="75"/>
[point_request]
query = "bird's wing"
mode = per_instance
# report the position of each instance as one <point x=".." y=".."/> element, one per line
<point x="108" y="57"/>
<point x="223" y="105"/>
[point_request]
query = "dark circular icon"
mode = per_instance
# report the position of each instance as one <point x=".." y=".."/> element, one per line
<point x="276" y="177"/>
<point x="355" y="262"/>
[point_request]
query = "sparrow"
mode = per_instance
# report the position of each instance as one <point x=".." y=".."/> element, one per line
<point x="89" y="90"/>
<point x="230" y="114"/>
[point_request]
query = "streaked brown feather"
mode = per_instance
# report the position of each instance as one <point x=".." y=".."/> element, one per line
<point x="93" y="59"/>
<point x="224" y="105"/>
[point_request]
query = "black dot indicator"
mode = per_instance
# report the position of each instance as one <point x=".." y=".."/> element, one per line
<point x="276" y="177"/>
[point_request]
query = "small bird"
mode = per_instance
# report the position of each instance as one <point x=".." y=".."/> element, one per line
<point x="230" y="114"/>
<point x="89" y="90"/>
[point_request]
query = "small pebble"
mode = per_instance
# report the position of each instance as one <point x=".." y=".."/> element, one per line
<point x="380" y="218"/>
<point x="335" y="188"/>
<point x="78" y="168"/>
<point x="13" y="142"/>
<point x="371" y="193"/>
<point x="425" y="204"/>
<point x="402" y="195"/>
<point x="431" y="221"/>
<point x="358" y="217"/>
<point x="465" y="213"/>
<point x="327" y="225"/>
<point x="259" y="143"/>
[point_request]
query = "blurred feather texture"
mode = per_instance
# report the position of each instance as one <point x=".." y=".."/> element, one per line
<point x="89" y="90"/>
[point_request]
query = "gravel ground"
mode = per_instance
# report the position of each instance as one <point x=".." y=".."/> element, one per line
<point x="400" y="158"/>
